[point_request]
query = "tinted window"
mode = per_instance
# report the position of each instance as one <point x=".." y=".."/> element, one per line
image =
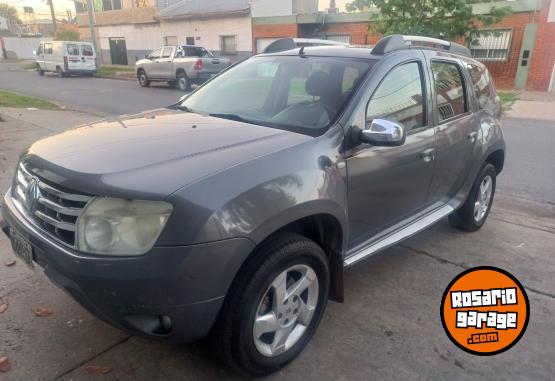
<point x="449" y="89"/>
<point x="399" y="97"/>
<point x="72" y="49"/>
<point x="166" y="53"/>
<point x="482" y="85"/>
<point x="87" y="50"/>
<point x="47" y="48"/>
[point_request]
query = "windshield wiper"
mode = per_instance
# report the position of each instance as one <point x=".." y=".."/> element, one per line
<point x="183" y="108"/>
<point x="235" y="117"/>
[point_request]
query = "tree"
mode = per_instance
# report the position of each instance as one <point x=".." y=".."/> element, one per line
<point x="447" y="19"/>
<point x="10" y="13"/>
<point x="65" y="34"/>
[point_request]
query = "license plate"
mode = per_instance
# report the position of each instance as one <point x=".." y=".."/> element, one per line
<point x="22" y="248"/>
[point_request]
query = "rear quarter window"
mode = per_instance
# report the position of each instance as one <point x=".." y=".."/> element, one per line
<point x="483" y="87"/>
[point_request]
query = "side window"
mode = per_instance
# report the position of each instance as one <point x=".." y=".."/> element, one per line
<point x="449" y="90"/>
<point x="399" y="98"/>
<point x="167" y="52"/>
<point x="155" y="53"/>
<point x="47" y="48"/>
<point x="482" y="85"/>
<point x="72" y="49"/>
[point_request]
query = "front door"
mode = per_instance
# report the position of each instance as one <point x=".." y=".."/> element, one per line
<point x="118" y="51"/>
<point x="456" y="127"/>
<point x="387" y="184"/>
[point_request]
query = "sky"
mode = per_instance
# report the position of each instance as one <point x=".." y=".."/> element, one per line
<point x="41" y="8"/>
<point x="323" y="4"/>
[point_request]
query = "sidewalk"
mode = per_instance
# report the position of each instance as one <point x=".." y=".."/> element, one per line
<point x="533" y="109"/>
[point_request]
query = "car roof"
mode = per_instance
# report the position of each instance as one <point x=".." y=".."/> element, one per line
<point x="328" y="51"/>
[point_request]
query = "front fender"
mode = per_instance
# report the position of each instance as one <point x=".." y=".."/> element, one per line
<point x="254" y="199"/>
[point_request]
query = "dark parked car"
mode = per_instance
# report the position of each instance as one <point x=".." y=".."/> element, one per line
<point x="235" y="211"/>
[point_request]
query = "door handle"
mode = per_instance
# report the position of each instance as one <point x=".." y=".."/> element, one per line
<point x="472" y="136"/>
<point x="428" y="155"/>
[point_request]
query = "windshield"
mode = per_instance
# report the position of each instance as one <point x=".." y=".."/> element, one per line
<point x="302" y="94"/>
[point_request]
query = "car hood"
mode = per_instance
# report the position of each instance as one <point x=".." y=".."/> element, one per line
<point x="152" y="153"/>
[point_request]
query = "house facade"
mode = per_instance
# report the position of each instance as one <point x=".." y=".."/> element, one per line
<point x="126" y="30"/>
<point x="520" y="53"/>
<point x="519" y="50"/>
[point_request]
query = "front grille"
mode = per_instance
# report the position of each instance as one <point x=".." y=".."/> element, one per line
<point x="53" y="210"/>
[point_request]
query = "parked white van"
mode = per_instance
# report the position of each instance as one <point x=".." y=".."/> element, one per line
<point x="66" y="57"/>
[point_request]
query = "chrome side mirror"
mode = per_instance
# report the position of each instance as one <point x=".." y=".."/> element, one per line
<point x="382" y="132"/>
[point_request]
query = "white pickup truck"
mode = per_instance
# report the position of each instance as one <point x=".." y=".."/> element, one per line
<point x="179" y="66"/>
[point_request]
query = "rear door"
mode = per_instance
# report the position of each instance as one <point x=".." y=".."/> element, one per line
<point x="88" y="56"/>
<point x="72" y="51"/>
<point x="164" y="64"/>
<point x="388" y="184"/>
<point x="48" y="57"/>
<point x="40" y="56"/>
<point x="456" y="126"/>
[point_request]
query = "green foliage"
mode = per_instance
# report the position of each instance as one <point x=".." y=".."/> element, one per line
<point x="64" y="34"/>
<point x="10" y="99"/>
<point x="9" y="12"/>
<point x="447" y="19"/>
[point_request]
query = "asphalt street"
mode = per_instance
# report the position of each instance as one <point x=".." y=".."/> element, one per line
<point x="105" y="97"/>
<point x="389" y="327"/>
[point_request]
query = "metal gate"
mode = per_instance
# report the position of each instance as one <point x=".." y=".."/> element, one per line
<point x="492" y="47"/>
<point x="118" y="51"/>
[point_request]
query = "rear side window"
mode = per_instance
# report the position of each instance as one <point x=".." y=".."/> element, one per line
<point x="482" y="85"/>
<point x="449" y="89"/>
<point x="399" y="98"/>
<point x="87" y="50"/>
<point x="72" y="49"/>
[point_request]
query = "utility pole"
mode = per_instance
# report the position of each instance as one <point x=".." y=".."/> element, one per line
<point x="51" y="3"/>
<point x="91" y="28"/>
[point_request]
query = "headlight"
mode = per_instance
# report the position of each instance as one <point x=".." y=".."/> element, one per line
<point x="112" y="226"/>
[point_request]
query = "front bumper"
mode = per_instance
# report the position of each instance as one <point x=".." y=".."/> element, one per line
<point x="185" y="284"/>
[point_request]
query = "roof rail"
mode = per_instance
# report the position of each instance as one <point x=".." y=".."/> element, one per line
<point x="398" y="41"/>
<point x="283" y="44"/>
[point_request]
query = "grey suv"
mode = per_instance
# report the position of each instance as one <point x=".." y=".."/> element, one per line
<point x="235" y="211"/>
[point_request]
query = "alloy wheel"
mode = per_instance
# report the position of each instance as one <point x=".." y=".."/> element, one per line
<point x="286" y="310"/>
<point x="483" y="198"/>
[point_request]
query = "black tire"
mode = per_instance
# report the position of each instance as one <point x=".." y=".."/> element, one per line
<point x="39" y="70"/>
<point x="143" y="79"/>
<point x="183" y="82"/>
<point x="233" y="336"/>
<point x="59" y="72"/>
<point x="465" y="217"/>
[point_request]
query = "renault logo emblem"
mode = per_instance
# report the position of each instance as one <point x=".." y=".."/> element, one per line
<point x="32" y="194"/>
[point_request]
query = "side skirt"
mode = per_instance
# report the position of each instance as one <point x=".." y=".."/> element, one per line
<point x="397" y="233"/>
